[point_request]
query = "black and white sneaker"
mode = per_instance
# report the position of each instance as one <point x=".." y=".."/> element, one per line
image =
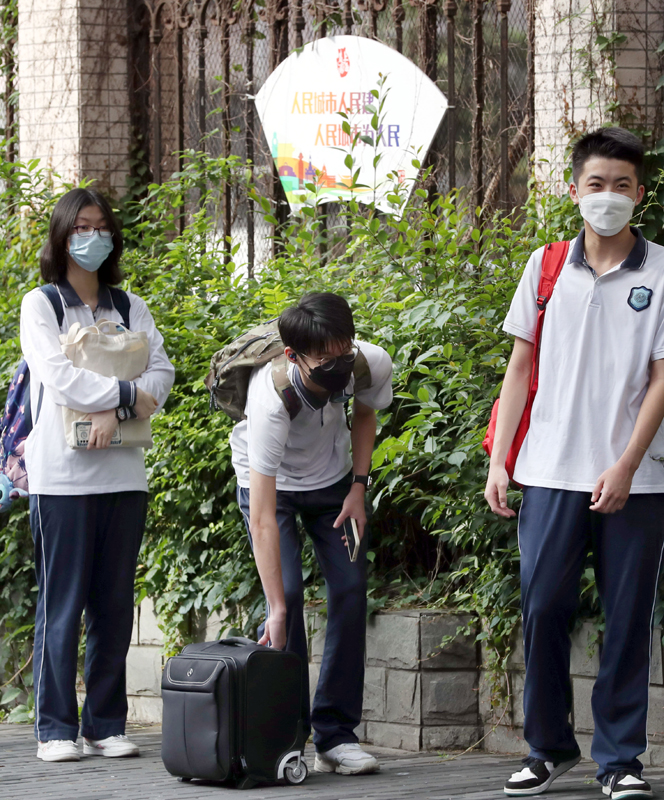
<point x="537" y="775"/>
<point x="626" y="784"/>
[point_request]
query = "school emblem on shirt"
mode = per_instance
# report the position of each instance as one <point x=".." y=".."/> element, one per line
<point x="639" y="298"/>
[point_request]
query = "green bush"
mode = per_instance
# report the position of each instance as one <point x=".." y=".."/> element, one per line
<point x="433" y="289"/>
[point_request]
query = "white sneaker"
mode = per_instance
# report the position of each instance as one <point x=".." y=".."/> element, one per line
<point x="346" y="759"/>
<point x="626" y="784"/>
<point x="111" y="747"/>
<point x="58" y="750"/>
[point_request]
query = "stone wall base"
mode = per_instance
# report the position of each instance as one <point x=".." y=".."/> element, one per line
<point x="418" y="696"/>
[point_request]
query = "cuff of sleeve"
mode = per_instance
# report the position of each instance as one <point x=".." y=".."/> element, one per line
<point x="269" y="472"/>
<point x="517" y="330"/>
<point x="127" y="394"/>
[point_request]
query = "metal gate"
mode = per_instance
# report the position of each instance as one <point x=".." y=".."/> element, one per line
<point x="195" y="66"/>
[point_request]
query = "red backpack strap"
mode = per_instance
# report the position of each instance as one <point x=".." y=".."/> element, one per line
<point x="553" y="258"/>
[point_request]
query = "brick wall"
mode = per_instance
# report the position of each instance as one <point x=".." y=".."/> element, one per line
<point x="577" y="87"/>
<point x="48" y="84"/>
<point x="73" y="110"/>
<point x="638" y="66"/>
<point x="104" y="99"/>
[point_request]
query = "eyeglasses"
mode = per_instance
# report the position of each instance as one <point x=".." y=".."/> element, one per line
<point x="327" y="364"/>
<point x="86" y="231"/>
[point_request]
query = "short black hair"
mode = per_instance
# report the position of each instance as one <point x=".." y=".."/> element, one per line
<point x="53" y="261"/>
<point x="608" y="143"/>
<point x="317" y="321"/>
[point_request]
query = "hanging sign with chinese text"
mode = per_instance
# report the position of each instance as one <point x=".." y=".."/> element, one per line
<point x="299" y="106"/>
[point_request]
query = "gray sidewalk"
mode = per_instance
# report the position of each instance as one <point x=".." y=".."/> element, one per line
<point x="403" y="775"/>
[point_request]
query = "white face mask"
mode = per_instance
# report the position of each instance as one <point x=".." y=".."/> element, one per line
<point x="607" y="213"/>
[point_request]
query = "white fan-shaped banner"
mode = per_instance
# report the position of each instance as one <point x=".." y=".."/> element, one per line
<point x="299" y="107"/>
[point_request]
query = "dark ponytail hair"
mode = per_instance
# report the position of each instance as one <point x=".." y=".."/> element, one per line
<point x="53" y="261"/>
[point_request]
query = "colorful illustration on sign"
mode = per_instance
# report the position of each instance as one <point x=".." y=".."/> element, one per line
<point x="299" y="107"/>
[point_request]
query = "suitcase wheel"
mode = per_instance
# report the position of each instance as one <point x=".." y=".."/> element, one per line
<point x="184" y="780"/>
<point x="295" y="773"/>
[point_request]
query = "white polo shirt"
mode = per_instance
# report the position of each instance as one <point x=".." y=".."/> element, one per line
<point x="313" y="450"/>
<point x="599" y="336"/>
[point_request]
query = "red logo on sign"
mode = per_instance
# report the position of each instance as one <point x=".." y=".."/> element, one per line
<point x="343" y="62"/>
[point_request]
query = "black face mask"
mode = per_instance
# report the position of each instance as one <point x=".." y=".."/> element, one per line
<point x="335" y="379"/>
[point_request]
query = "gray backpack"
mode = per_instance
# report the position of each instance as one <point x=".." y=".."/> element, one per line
<point x="231" y="367"/>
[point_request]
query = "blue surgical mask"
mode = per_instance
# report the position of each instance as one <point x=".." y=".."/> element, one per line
<point x="89" y="252"/>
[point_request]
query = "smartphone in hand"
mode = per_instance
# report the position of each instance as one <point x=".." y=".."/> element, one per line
<point x="352" y="538"/>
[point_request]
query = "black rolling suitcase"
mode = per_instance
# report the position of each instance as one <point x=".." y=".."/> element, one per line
<point x="232" y="713"/>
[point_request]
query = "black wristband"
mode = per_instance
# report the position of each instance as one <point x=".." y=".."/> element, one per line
<point x="365" y="480"/>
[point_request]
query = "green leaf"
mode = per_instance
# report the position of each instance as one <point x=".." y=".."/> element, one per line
<point x="20" y="714"/>
<point x="9" y="695"/>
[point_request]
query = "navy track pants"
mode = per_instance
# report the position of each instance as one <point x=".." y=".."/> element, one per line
<point x="337" y="706"/>
<point x="86" y="547"/>
<point x="556" y="532"/>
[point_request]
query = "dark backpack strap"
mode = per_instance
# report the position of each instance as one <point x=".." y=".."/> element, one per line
<point x="51" y="291"/>
<point x="284" y="387"/>
<point x="361" y="373"/>
<point x="122" y="304"/>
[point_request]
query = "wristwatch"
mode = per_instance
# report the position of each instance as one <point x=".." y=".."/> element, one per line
<point x="365" y="480"/>
<point x="122" y="414"/>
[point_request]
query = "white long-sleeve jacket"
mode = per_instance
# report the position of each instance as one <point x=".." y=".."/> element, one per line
<point x="53" y="467"/>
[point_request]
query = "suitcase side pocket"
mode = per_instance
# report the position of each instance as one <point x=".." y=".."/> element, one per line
<point x="195" y="727"/>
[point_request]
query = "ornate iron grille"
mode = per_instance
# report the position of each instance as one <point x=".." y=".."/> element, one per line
<point x="197" y="64"/>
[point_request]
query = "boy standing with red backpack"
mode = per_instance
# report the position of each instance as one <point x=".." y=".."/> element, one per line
<point x="589" y="468"/>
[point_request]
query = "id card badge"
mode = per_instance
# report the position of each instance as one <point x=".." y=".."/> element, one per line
<point x="82" y="434"/>
<point x="352" y="538"/>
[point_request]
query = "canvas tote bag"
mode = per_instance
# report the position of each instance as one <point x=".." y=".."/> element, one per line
<point x="109" y="349"/>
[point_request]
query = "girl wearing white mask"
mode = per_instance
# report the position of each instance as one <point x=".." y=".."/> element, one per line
<point x="87" y="506"/>
<point x="590" y="468"/>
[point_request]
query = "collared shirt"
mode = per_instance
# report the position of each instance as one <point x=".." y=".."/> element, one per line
<point x="600" y="335"/>
<point x="311" y="451"/>
<point x="53" y="467"/>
